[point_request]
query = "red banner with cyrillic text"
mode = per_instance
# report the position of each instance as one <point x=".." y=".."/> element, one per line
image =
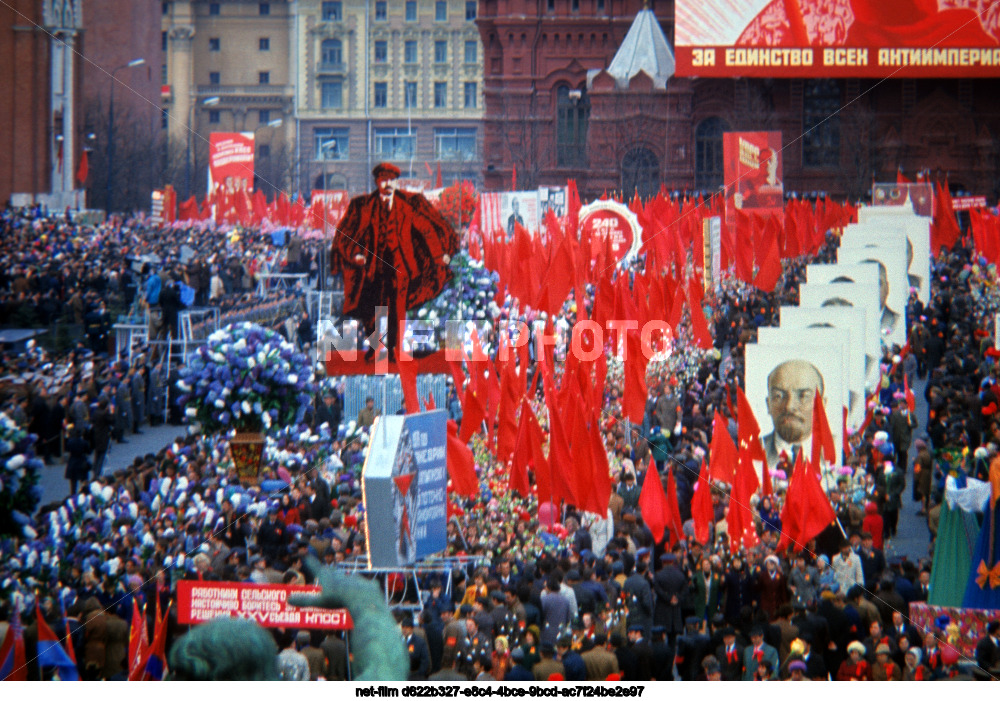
<point x="267" y="604"/>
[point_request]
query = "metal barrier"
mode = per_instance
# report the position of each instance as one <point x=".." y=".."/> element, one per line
<point x="268" y="282"/>
<point x="357" y="387"/>
<point x="410" y="597"/>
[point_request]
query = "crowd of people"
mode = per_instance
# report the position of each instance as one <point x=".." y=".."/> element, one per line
<point x="536" y="596"/>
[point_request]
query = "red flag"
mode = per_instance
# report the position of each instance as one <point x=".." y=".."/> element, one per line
<point x="911" y="401"/>
<point x="822" y="444"/>
<point x="770" y="267"/>
<point x="138" y="643"/>
<point x="155" y="664"/>
<point x="461" y="465"/>
<point x="407" y="369"/>
<point x="748" y="430"/>
<point x="722" y="453"/>
<point x="13" y="661"/>
<point x="473" y="414"/>
<point x="84" y="169"/>
<point x="673" y="509"/>
<point x="601" y="480"/>
<point x="560" y="458"/>
<point x="429" y="405"/>
<point x="438" y="184"/>
<point x="699" y="325"/>
<point x="517" y="480"/>
<point x="635" y="392"/>
<point x="944" y="228"/>
<point x="900" y="178"/>
<point x="510" y="396"/>
<point x="702" y="510"/>
<point x="739" y="519"/>
<point x="807" y="507"/>
<point x="539" y="464"/>
<point x="653" y="504"/>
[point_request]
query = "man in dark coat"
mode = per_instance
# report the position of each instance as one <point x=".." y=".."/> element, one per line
<point x="393" y="249"/>
<point x="669" y="584"/>
<point x="101" y="420"/>
<point x="639" y="598"/>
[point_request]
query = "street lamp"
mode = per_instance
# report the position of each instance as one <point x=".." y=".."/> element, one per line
<point x="111" y="130"/>
<point x="207" y="102"/>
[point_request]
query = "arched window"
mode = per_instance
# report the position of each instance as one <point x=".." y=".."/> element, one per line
<point x="821" y="123"/>
<point x="332" y="52"/>
<point x="708" y="162"/>
<point x="572" y="116"/>
<point x="640" y="173"/>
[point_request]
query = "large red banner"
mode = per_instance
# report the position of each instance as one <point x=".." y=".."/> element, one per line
<point x="267" y="604"/>
<point x="753" y="173"/>
<point x="230" y="162"/>
<point x="838" y="38"/>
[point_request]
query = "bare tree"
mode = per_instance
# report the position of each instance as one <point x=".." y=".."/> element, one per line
<point x="521" y="132"/>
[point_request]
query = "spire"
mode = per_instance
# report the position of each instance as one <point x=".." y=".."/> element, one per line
<point x="644" y="48"/>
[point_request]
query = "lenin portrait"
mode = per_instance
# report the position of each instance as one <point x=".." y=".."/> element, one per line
<point x="791" y="389"/>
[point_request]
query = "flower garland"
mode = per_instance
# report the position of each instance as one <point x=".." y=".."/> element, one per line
<point x="245" y="377"/>
<point x="19" y="471"/>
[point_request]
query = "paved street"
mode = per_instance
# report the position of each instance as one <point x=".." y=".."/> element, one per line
<point x="55" y="487"/>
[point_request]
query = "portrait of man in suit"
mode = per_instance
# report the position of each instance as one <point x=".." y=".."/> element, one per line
<point x="889" y="318"/>
<point x="791" y="389"/>
<point x="515" y="218"/>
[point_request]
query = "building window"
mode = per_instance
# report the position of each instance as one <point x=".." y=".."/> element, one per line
<point x="551" y="5"/>
<point x="381" y="51"/>
<point x="574" y="5"/>
<point x="440" y="95"/>
<point x="264" y="44"/>
<point x="213" y="78"/>
<point x="333" y="12"/>
<point x="165" y="8"/>
<point x="572" y="116"/>
<point x="820" y="123"/>
<point x="163" y="75"/>
<point x="331" y="52"/>
<point x="471" y="89"/>
<point x="331" y="144"/>
<point x="380" y="11"/>
<point x="471" y="51"/>
<point x="264" y="150"/>
<point x="470" y="10"/>
<point x="600" y="5"/>
<point x="164" y="119"/>
<point x="214" y="44"/>
<point x="381" y="94"/>
<point x="455" y="143"/>
<point x="264" y="8"/>
<point x="708" y="161"/>
<point x="441" y="11"/>
<point x="411" y="10"/>
<point x="214" y="117"/>
<point x="264" y="78"/>
<point x="440" y="51"/>
<point x="641" y="172"/>
<point x="263" y="116"/>
<point x="331" y="95"/>
<point x="410" y="51"/>
<point x="163" y="41"/>
<point x="410" y="94"/>
<point x="396" y="143"/>
<point x="213" y="8"/>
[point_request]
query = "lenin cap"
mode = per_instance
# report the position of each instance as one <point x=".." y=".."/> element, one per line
<point x="386" y="170"/>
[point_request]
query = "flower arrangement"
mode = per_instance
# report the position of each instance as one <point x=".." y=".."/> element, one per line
<point x="246" y="377"/>
<point x="458" y="204"/>
<point x="19" y="470"/>
<point x="469" y="295"/>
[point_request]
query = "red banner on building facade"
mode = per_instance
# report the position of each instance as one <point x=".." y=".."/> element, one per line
<point x="230" y="162"/>
<point x="267" y="604"/>
<point x="837" y="38"/>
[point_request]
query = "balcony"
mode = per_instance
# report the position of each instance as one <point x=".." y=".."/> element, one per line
<point x="331" y="68"/>
<point x="249" y="90"/>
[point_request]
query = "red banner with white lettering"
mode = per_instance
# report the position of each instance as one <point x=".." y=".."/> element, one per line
<point x="230" y="162"/>
<point x="267" y="604"/>
<point x="838" y="38"/>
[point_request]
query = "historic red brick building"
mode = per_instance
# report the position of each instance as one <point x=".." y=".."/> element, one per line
<point x="564" y="98"/>
<point x="24" y="99"/>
